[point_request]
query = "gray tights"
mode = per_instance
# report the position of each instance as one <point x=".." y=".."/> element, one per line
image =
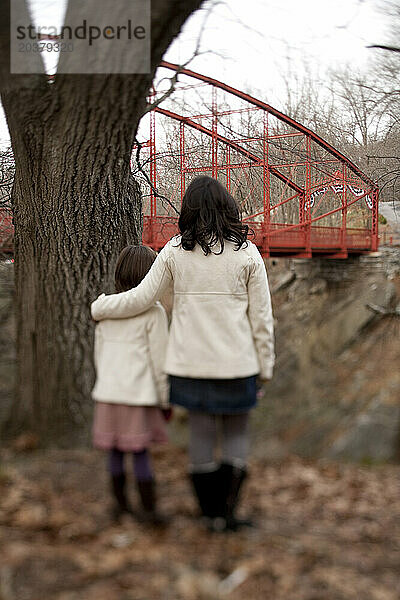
<point x="206" y="430"/>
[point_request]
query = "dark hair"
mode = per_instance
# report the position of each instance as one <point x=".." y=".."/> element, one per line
<point x="209" y="215"/>
<point x="132" y="266"/>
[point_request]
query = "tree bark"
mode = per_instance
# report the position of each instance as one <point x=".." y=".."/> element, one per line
<point x="75" y="207"/>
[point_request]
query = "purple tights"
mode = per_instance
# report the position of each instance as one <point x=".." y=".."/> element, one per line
<point x="141" y="464"/>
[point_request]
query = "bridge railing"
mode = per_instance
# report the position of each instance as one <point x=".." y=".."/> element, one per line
<point x="279" y="236"/>
<point x="6" y="231"/>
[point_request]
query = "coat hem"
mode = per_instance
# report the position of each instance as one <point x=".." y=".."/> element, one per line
<point x="129" y="402"/>
<point x="210" y="374"/>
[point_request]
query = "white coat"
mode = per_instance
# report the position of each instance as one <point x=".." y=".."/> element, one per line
<point x="129" y="355"/>
<point x="222" y="324"/>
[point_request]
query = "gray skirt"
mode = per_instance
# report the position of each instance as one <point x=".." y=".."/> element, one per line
<point x="214" y="396"/>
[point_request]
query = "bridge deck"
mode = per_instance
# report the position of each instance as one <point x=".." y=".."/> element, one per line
<point x="279" y="239"/>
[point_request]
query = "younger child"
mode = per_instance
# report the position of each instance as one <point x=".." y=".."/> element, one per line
<point x="131" y="389"/>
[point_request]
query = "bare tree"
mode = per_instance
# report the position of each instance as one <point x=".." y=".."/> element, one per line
<point x="7" y="169"/>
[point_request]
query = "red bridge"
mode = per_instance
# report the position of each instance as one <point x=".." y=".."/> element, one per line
<point x="6" y="231"/>
<point x="299" y="195"/>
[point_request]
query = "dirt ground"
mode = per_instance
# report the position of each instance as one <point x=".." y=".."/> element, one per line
<point x="324" y="531"/>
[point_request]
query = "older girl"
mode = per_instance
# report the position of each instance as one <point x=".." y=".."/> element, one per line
<point x="221" y="337"/>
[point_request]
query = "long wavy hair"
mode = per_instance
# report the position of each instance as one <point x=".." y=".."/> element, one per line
<point x="210" y="215"/>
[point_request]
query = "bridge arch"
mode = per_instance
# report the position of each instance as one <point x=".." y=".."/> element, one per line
<point x="326" y="188"/>
<point x="333" y="204"/>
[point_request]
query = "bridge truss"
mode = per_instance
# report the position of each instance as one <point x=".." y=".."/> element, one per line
<point x="299" y="195"/>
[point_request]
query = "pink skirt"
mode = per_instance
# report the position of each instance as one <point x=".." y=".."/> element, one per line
<point x="128" y="428"/>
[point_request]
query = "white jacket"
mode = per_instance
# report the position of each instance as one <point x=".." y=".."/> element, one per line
<point x="129" y="357"/>
<point x="222" y="324"/>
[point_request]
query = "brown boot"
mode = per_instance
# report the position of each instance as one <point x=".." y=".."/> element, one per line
<point x="233" y="478"/>
<point x="147" y="493"/>
<point x="121" y="504"/>
<point x="211" y="498"/>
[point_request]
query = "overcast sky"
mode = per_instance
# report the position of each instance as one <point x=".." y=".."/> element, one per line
<point x="252" y="42"/>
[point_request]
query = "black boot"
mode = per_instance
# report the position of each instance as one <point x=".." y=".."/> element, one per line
<point x="147" y="493"/>
<point x="207" y="488"/>
<point x="118" y="488"/>
<point x="231" y="482"/>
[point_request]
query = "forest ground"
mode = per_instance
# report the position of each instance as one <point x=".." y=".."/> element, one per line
<point x="326" y="531"/>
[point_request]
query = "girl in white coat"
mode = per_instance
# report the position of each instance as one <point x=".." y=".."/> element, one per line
<point x="221" y="337"/>
<point x="131" y="389"/>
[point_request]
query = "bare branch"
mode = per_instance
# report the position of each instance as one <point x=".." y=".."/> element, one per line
<point x="197" y="52"/>
<point x="381" y="310"/>
<point x="383" y="47"/>
<point x="383" y="157"/>
<point x="147" y="178"/>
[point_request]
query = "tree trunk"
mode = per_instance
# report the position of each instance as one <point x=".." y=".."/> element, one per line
<point x="75" y="206"/>
<point x="69" y="227"/>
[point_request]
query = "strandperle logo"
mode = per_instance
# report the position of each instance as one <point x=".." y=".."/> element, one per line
<point x="85" y="31"/>
<point x="97" y="36"/>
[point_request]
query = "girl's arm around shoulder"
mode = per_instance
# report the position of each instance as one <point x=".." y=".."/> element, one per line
<point x="98" y="344"/>
<point x="260" y="313"/>
<point x="158" y="340"/>
<point x="139" y="299"/>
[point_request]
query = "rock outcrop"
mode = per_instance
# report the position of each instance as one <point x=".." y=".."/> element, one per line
<point x="336" y="388"/>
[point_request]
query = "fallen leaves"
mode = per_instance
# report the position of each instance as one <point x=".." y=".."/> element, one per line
<point x="325" y="531"/>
